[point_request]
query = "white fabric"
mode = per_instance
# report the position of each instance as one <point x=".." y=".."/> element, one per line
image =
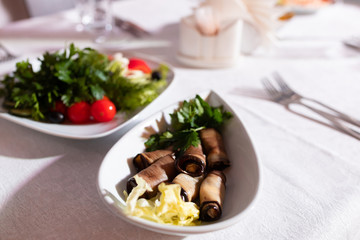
<point x="311" y="173"/>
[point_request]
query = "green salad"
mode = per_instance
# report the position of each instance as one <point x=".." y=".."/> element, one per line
<point x="71" y="81"/>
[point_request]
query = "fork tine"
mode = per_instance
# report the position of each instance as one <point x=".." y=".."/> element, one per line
<point x="269" y="87"/>
<point x="283" y="85"/>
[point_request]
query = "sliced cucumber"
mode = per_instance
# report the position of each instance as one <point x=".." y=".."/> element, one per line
<point x="8" y="104"/>
<point x="20" y="112"/>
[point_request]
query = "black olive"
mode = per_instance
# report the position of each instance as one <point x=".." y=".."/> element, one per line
<point x="156" y="75"/>
<point x="55" y="117"/>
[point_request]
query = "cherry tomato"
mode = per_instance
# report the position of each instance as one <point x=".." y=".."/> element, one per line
<point x="79" y="112"/>
<point x="138" y="64"/>
<point x="59" y="107"/>
<point x="110" y="57"/>
<point x="103" y="110"/>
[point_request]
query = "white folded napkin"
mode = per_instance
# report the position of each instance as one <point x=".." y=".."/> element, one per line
<point x="259" y="13"/>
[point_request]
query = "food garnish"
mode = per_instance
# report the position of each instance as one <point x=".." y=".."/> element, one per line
<point x="77" y="79"/>
<point x="186" y="122"/>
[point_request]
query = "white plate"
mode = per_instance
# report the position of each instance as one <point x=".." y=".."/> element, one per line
<point x="243" y="177"/>
<point x="305" y="9"/>
<point x="91" y="130"/>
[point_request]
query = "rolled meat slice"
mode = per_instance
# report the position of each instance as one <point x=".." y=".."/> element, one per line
<point x="162" y="170"/>
<point x="212" y="193"/>
<point x="214" y="149"/>
<point x="143" y="160"/>
<point x="192" y="162"/>
<point x="189" y="186"/>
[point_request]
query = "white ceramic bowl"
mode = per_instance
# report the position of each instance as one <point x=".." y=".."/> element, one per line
<point x="243" y="176"/>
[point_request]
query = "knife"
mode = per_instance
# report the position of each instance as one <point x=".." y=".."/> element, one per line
<point x="353" y="42"/>
<point x="130" y="27"/>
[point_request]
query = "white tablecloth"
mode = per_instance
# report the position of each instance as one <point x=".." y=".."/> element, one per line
<point x="311" y="173"/>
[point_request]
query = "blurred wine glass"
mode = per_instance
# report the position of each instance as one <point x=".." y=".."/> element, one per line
<point x="95" y="17"/>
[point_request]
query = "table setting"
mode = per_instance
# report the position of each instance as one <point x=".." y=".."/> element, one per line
<point x="284" y="79"/>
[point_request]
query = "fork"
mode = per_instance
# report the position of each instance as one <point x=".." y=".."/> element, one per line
<point x="287" y="96"/>
<point x="5" y="55"/>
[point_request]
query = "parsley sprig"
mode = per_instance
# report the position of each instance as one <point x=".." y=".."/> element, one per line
<point x="186" y="122"/>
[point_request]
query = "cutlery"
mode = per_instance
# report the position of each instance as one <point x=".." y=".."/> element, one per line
<point x="286" y="96"/>
<point x="353" y="42"/>
<point x="5" y="55"/>
<point x="130" y="27"/>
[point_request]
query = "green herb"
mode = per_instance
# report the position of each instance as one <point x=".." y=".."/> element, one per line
<point x="75" y="75"/>
<point x="186" y="122"/>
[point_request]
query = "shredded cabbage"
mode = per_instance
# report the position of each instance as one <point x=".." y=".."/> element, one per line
<point x="166" y="208"/>
<point x="131" y="89"/>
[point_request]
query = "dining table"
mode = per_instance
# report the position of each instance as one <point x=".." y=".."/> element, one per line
<point x="310" y="172"/>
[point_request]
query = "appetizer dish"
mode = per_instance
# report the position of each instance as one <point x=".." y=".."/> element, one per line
<point x="81" y="85"/>
<point x="188" y="169"/>
<point x="180" y="177"/>
<point x="82" y="93"/>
